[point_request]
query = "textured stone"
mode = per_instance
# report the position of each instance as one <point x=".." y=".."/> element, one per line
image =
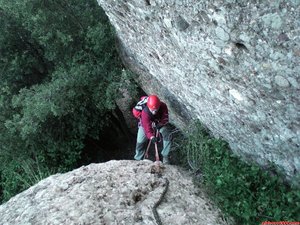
<point x="281" y="81"/>
<point x="272" y="20"/>
<point x="115" y="192"/>
<point x="220" y="32"/>
<point x="251" y="47"/>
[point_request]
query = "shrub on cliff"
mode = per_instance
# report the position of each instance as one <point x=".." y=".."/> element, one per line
<point x="244" y="191"/>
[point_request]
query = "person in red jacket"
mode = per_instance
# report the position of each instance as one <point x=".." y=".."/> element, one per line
<point x="155" y="113"/>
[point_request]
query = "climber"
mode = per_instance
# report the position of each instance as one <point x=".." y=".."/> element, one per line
<point x="154" y="115"/>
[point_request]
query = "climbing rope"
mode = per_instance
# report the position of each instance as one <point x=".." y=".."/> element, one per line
<point x="154" y="209"/>
<point x="157" y="135"/>
<point x="157" y="169"/>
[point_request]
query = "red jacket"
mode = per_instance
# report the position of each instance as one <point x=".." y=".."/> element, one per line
<point x="147" y="118"/>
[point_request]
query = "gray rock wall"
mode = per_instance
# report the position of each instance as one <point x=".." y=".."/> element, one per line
<point x="232" y="64"/>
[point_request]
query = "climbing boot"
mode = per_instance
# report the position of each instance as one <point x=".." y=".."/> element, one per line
<point x="166" y="160"/>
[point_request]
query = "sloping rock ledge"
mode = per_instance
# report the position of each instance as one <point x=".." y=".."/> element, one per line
<point x="112" y="193"/>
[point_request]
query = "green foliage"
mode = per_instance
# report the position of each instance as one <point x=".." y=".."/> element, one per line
<point x="60" y="77"/>
<point x="244" y="191"/>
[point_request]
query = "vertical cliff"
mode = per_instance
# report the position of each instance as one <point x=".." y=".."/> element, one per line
<point x="232" y="64"/>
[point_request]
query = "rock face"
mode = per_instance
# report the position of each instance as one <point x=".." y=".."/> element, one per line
<point x="235" y="65"/>
<point x="112" y="193"/>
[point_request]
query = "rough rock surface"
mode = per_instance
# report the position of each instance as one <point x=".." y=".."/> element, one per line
<point x="232" y="64"/>
<point x="111" y="193"/>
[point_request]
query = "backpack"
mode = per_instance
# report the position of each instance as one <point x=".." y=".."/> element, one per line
<point x="138" y="108"/>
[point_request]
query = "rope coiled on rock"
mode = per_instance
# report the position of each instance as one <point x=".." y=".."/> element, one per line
<point x="155" y="213"/>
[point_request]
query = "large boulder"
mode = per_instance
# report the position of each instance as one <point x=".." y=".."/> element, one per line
<point x="232" y="64"/>
<point x="112" y="193"/>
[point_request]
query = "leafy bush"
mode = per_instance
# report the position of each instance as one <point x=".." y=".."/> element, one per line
<point x="244" y="191"/>
<point x="60" y="77"/>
